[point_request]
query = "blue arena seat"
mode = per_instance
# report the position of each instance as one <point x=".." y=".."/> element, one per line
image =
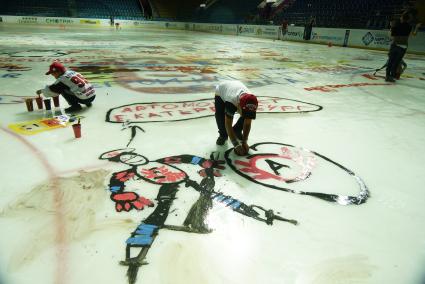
<point x="340" y="14"/>
<point x="120" y="9"/>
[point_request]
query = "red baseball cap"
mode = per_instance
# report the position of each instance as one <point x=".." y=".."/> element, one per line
<point x="56" y="66"/>
<point x="249" y="104"/>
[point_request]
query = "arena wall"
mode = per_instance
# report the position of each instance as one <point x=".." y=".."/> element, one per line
<point x="370" y="39"/>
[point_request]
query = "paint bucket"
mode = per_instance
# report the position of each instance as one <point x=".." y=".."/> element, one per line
<point x="56" y="101"/>
<point x="77" y="130"/>
<point x="39" y="101"/>
<point x="47" y="104"/>
<point x="29" y="104"/>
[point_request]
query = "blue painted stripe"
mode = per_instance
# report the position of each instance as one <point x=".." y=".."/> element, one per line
<point x="196" y="160"/>
<point x="139" y="240"/>
<point x="147" y="232"/>
<point x="235" y="205"/>
<point x="143" y="225"/>
<point x="228" y="201"/>
<point x="220" y="198"/>
<point x="115" y="188"/>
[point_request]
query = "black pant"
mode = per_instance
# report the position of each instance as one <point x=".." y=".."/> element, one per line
<point x="395" y="56"/>
<point x="220" y="118"/>
<point x="307" y="32"/>
<point x="74" y="100"/>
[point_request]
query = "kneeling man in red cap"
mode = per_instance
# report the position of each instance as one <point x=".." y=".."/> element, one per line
<point x="232" y="97"/>
<point x="71" y="85"/>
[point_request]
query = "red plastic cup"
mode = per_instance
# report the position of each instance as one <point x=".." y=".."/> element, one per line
<point x="47" y="104"/>
<point x="56" y="101"/>
<point x="77" y="130"/>
<point x="30" y="106"/>
<point x="39" y="101"/>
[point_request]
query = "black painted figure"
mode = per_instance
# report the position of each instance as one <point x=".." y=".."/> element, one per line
<point x="71" y="85"/>
<point x="162" y="172"/>
<point x="165" y="173"/>
<point x="232" y="97"/>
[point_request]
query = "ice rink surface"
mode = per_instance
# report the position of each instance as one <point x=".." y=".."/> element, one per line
<point x="334" y="147"/>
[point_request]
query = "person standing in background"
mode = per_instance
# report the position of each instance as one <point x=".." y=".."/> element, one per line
<point x="400" y="32"/>
<point x="284" y="27"/>
<point x="308" y="29"/>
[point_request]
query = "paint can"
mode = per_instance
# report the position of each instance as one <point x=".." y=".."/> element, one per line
<point x="39" y="101"/>
<point x="47" y="104"/>
<point x="56" y="101"/>
<point x="29" y="103"/>
<point x="77" y="130"/>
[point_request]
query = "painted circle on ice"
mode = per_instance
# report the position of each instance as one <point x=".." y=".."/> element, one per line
<point x="278" y="165"/>
<point x="276" y="168"/>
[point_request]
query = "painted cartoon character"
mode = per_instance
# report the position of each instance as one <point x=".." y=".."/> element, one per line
<point x="162" y="172"/>
<point x="165" y="173"/>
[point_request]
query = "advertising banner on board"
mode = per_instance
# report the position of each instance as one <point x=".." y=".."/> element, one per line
<point x="59" y="21"/>
<point x="259" y="31"/>
<point x="326" y="35"/>
<point x="370" y="39"/>
<point x="90" y="22"/>
<point x="293" y="33"/>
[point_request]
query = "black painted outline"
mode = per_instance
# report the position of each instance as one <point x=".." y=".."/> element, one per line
<point x="112" y="109"/>
<point x="340" y="199"/>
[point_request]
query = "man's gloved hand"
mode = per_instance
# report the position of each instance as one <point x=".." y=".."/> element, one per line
<point x="240" y="150"/>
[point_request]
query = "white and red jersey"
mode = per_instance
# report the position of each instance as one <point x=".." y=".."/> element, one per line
<point x="230" y="91"/>
<point x="70" y="82"/>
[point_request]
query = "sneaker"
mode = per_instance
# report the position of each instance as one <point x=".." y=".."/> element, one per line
<point x="389" y="79"/>
<point x="221" y="140"/>
<point x="88" y="104"/>
<point x="73" y="108"/>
